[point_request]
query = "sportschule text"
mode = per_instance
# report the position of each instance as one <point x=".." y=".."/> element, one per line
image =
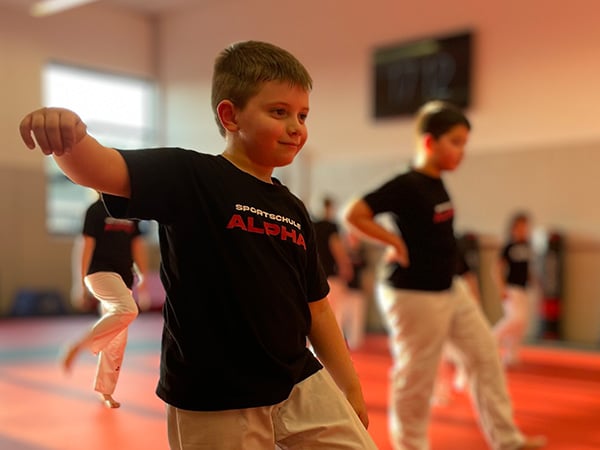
<point x="272" y="216"/>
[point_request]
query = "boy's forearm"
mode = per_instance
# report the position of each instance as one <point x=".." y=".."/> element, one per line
<point x="330" y="347"/>
<point x="378" y="233"/>
<point x="328" y="343"/>
<point x="360" y="216"/>
<point x="93" y="165"/>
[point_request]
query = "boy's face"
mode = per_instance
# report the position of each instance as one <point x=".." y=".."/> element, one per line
<point x="272" y="126"/>
<point x="447" y="151"/>
<point x="520" y="231"/>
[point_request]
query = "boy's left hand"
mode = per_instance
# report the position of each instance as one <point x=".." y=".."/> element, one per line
<point x="397" y="254"/>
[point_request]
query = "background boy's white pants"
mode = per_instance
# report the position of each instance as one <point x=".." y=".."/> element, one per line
<point x="511" y="328"/>
<point x="108" y="336"/>
<point x="419" y="323"/>
<point x="349" y="308"/>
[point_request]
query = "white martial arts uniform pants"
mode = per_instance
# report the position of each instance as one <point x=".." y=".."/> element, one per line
<point x="315" y="416"/>
<point x="108" y="336"/>
<point x="349" y="307"/>
<point x="419" y="323"/>
<point x="511" y="328"/>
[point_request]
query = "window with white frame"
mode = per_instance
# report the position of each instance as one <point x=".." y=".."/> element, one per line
<point x="118" y="110"/>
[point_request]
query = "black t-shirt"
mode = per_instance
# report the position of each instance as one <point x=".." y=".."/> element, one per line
<point x="112" y="252"/>
<point x="239" y="265"/>
<point x="462" y="267"/>
<point x="358" y="258"/>
<point x="324" y="229"/>
<point x="517" y="256"/>
<point x="467" y="254"/>
<point x="423" y="213"/>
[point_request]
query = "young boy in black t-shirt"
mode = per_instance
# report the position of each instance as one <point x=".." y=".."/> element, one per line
<point x="244" y="288"/>
<point x="112" y="250"/>
<point x="512" y="275"/>
<point x="422" y="304"/>
<point x="334" y="258"/>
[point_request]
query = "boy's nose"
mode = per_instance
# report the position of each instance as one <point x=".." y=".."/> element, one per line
<point x="294" y="127"/>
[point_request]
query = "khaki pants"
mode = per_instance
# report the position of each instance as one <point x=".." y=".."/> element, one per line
<point x="315" y="416"/>
<point x="419" y="323"/>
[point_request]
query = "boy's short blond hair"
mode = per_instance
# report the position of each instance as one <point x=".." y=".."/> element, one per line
<point x="437" y="117"/>
<point x="241" y="68"/>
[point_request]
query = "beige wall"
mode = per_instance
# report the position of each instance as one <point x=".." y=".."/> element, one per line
<point x="533" y="84"/>
<point x="28" y="258"/>
<point x="533" y="145"/>
<point x="579" y="321"/>
<point x="95" y="37"/>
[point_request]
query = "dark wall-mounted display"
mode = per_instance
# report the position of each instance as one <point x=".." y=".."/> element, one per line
<point x="408" y="74"/>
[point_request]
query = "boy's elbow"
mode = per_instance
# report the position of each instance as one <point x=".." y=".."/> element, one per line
<point x="350" y="214"/>
<point x="358" y="212"/>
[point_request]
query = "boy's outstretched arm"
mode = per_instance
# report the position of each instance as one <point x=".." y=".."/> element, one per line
<point x="330" y="347"/>
<point x="61" y="133"/>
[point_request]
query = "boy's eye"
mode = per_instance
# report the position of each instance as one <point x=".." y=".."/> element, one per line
<point x="279" y="111"/>
<point x="303" y="117"/>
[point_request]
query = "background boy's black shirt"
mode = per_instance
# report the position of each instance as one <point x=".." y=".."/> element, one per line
<point x="324" y="229"/>
<point x="239" y="265"/>
<point x="112" y="252"/>
<point x="517" y="256"/>
<point x="421" y="209"/>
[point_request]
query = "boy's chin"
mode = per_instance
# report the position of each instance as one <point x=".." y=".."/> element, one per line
<point x="451" y="167"/>
<point x="284" y="161"/>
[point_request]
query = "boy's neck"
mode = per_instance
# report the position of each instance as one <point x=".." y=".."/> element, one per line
<point x="427" y="169"/>
<point x="246" y="165"/>
<point x="422" y="163"/>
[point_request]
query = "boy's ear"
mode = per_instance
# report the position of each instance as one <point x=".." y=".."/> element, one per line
<point x="226" y="112"/>
<point x="428" y="142"/>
